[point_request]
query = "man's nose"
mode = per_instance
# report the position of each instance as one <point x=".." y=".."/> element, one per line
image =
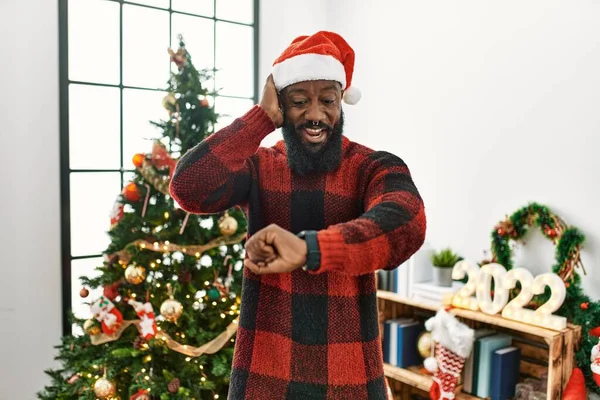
<point x="314" y="112"/>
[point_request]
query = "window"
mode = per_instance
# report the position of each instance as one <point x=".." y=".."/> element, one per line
<point x="114" y="70"/>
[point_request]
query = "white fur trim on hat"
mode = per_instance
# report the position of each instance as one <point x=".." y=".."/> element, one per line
<point x="308" y="67"/>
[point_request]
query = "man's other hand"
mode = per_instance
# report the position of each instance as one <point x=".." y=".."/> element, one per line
<point x="289" y="251"/>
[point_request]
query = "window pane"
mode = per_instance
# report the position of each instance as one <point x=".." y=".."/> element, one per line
<point x="139" y="108"/>
<point x="92" y="197"/>
<point x="94" y="41"/>
<point x="85" y="267"/>
<point x="94" y="127"/>
<point x="145" y="43"/>
<point x="235" y="60"/>
<point x="200" y="7"/>
<point x="198" y="35"/>
<point x="155" y="3"/>
<point x="236" y="10"/>
<point x="234" y="108"/>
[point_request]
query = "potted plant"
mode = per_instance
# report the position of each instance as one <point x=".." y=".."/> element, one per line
<point x="443" y="261"/>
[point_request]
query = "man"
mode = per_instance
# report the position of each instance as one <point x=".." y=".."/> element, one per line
<point x="324" y="213"/>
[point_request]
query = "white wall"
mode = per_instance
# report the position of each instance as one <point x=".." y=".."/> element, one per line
<point x="491" y="104"/>
<point x="30" y="304"/>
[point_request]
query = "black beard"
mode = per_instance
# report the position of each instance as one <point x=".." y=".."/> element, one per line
<point x="302" y="160"/>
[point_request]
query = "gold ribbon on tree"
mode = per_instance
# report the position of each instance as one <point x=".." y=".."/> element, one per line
<point x="207" y="348"/>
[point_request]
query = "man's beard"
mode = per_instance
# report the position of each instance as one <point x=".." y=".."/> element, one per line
<point x="302" y="160"/>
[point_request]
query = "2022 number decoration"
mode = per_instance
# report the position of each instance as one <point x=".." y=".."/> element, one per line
<point x="480" y="282"/>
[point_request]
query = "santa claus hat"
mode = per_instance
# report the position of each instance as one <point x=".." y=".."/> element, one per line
<point x="322" y="56"/>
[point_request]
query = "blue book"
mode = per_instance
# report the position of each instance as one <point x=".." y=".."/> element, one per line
<point x="469" y="375"/>
<point x="408" y="333"/>
<point x="487" y="346"/>
<point x="505" y="370"/>
<point x="390" y="340"/>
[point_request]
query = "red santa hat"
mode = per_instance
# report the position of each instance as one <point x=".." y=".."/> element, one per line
<point x="322" y="56"/>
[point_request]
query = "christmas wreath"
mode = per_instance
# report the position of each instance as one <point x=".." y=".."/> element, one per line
<point x="568" y="241"/>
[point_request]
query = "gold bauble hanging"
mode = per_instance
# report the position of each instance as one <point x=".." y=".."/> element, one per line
<point x="169" y="101"/>
<point x="228" y="225"/>
<point x="135" y="274"/>
<point x="171" y="309"/>
<point x="424" y="344"/>
<point x="104" y="388"/>
<point x="91" y="327"/>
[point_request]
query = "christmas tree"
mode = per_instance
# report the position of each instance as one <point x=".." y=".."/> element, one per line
<point x="164" y="325"/>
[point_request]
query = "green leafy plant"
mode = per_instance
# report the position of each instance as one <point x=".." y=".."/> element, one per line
<point x="444" y="258"/>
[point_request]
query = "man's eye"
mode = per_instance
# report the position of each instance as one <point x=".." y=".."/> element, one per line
<point x="299" y="102"/>
<point x="329" y="101"/>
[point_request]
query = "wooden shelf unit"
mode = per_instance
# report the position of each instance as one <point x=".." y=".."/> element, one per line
<point x="543" y="351"/>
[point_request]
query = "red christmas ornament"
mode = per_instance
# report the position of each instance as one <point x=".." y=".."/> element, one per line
<point x="567" y="284"/>
<point x="584" y="306"/>
<point x="131" y="192"/>
<point x="204" y="103"/>
<point x="111" y="291"/>
<point x="138" y="160"/>
<point x="84" y="292"/>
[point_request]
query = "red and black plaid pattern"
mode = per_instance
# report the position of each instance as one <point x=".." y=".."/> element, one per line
<point x="308" y="335"/>
<point x="450" y="366"/>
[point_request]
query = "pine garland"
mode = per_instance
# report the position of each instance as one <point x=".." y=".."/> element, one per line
<point x="577" y="308"/>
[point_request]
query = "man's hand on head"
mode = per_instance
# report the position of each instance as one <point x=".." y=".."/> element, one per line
<point x="274" y="250"/>
<point x="270" y="102"/>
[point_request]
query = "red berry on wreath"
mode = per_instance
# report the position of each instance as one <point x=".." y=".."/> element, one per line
<point x="131" y="192"/>
<point x="501" y="231"/>
<point x="138" y="160"/>
<point x="551" y="232"/>
<point x="584" y="306"/>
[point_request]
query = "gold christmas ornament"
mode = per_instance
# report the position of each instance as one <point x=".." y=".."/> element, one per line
<point x="91" y="327"/>
<point x="171" y="309"/>
<point x="169" y="101"/>
<point x="135" y="274"/>
<point x="104" y="388"/>
<point x="425" y="344"/>
<point x="228" y="225"/>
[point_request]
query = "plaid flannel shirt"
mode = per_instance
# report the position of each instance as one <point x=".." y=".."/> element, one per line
<point x="308" y="335"/>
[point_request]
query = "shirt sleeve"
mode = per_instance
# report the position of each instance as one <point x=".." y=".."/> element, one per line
<point x="391" y="229"/>
<point x="217" y="174"/>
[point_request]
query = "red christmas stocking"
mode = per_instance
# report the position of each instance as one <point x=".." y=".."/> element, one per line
<point x="445" y="379"/>
<point x="453" y="344"/>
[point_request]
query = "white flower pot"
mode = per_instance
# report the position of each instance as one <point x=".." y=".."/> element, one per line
<point x="442" y="276"/>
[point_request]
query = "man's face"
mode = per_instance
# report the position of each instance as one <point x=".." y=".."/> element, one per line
<point x="313" y="108"/>
<point x="313" y="125"/>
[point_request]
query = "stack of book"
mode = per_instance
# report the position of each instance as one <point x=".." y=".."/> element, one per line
<point x="427" y="292"/>
<point x="492" y="369"/>
<point x="400" y="342"/>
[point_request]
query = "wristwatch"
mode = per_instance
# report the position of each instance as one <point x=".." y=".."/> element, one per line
<point x="313" y="255"/>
